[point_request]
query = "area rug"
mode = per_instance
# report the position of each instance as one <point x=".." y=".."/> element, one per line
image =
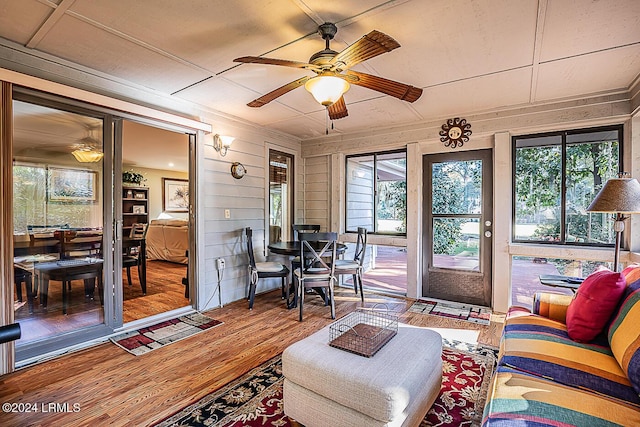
<point x="255" y="399"/>
<point x="153" y="337"/>
<point x="470" y="313"/>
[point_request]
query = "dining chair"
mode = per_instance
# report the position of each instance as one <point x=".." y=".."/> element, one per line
<point x="304" y="228"/>
<point x="131" y="256"/>
<point x="260" y="270"/>
<point x="354" y="267"/>
<point x="318" y="271"/>
<point x="297" y="229"/>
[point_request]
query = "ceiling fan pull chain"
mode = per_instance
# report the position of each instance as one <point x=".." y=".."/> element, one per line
<point x="327" y="122"/>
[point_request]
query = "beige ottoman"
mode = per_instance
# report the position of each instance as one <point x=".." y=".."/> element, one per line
<point x="326" y="386"/>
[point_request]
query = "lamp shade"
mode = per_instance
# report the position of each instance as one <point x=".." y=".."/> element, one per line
<point x="226" y="140"/>
<point x="618" y="195"/>
<point x="327" y="88"/>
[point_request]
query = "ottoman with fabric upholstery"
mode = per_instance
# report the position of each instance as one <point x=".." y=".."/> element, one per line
<point x="396" y="387"/>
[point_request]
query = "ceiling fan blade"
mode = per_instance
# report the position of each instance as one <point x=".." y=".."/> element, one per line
<point x="267" y="98"/>
<point x="338" y="109"/>
<point x="274" y="61"/>
<point x="398" y="90"/>
<point x="371" y="45"/>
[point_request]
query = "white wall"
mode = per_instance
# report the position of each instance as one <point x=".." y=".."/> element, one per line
<point x="247" y="202"/>
<point x="153" y="180"/>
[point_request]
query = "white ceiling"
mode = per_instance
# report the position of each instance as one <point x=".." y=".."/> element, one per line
<point x="45" y="134"/>
<point x="469" y="56"/>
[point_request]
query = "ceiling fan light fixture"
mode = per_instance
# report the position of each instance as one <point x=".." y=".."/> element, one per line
<point x="327" y="88"/>
<point x="87" y="155"/>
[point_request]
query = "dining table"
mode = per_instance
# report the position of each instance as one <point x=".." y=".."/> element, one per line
<point x="292" y="247"/>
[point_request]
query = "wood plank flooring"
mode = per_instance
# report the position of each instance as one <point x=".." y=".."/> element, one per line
<point x="113" y="387"/>
<point x="165" y="292"/>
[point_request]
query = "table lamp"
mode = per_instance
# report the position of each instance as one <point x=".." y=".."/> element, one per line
<point x="619" y="196"/>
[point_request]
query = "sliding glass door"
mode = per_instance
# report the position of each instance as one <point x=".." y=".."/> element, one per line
<point x="102" y="222"/>
<point x="60" y="208"/>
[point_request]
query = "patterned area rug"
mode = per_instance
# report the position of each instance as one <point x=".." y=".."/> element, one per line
<point x="470" y="313"/>
<point x="255" y="399"/>
<point x="153" y="337"/>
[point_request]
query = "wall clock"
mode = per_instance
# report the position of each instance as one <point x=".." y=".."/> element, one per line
<point x="238" y="170"/>
<point x="455" y="132"/>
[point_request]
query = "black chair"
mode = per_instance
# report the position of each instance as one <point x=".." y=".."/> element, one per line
<point x="21" y="276"/>
<point x="297" y="229"/>
<point x="185" y="279"/>
<point x="259" y="270"/>
<point x="318" y="271"/>
<point x="354" y="267"/>
<point x="132" y="253"/>
<point x="304" y="228"/>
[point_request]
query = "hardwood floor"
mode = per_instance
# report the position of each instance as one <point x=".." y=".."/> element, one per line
<point x="165" y="292"/>
<point x="113" y="387"/>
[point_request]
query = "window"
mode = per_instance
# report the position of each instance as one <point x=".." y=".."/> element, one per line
<point x="280" y="195"/>
<point x="377" y="192"/>
<point x="32" y="206"/>
<point x="556" y="176"/>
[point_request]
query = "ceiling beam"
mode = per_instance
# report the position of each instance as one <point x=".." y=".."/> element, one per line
<point x="48" y="24"/>
<point x="537" y="47"/>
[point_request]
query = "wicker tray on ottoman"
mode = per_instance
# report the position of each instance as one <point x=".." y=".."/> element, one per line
<point x="363" y="332"/>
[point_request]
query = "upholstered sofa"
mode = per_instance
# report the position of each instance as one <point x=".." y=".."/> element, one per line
<point x="168" y="240"/>
<point x="544" y="377"/>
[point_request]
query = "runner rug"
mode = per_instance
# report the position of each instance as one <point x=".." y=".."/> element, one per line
<point x="255" y="399"/>
<point x="153" y="337"/>
<point x="470" y="313"/>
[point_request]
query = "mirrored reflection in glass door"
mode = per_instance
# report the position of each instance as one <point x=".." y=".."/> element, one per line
<point x="58" y="221"/>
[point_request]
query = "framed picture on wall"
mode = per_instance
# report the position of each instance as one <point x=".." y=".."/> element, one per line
<point x="71" y="185"/>
<point x="175" y="195"/>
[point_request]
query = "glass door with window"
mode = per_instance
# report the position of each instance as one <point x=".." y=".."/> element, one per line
<point x="59" y="194"/>
<point x="458" y="227"/>
<point x="280" y="196"/>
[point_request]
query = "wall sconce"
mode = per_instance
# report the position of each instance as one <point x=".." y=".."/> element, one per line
<point x="221" y="143"/>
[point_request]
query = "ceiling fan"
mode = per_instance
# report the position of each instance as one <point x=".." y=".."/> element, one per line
<point x="333" y="75"/>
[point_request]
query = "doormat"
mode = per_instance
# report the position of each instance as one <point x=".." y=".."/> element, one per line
<point x="470" y="313"/>
<point x="255" y="399"/>
<point x="153" y="337"/>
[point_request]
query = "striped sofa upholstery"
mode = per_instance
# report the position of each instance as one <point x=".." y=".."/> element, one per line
<point x="546" y="379"/>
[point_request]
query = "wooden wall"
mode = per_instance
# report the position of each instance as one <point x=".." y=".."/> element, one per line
<point x="247" y="203"/>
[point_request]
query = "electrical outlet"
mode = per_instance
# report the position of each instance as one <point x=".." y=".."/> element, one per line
<point x="220" y="264"/>
<point x="227" y="213"/>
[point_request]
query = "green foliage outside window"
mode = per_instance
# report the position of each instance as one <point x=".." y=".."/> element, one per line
<point x="538" y="182"/>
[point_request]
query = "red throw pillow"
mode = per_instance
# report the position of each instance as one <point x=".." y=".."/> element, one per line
<point x="594" y="303"/>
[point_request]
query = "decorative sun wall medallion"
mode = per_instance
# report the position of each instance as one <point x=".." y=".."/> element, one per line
<point x="455" y="132"/>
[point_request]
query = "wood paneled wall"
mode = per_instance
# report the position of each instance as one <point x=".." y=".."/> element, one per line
<point x="317" y="205"/>
<point x="246" y="201"/>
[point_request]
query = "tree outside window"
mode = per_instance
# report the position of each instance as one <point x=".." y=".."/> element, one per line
<point x="556" y="176"/>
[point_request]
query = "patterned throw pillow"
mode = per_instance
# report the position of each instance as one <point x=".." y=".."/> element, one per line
<point x="624" y="334"/>
<point x="595" y="301"/>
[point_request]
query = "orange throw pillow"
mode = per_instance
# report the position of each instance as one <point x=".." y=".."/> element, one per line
<point x="594" y="303"/>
